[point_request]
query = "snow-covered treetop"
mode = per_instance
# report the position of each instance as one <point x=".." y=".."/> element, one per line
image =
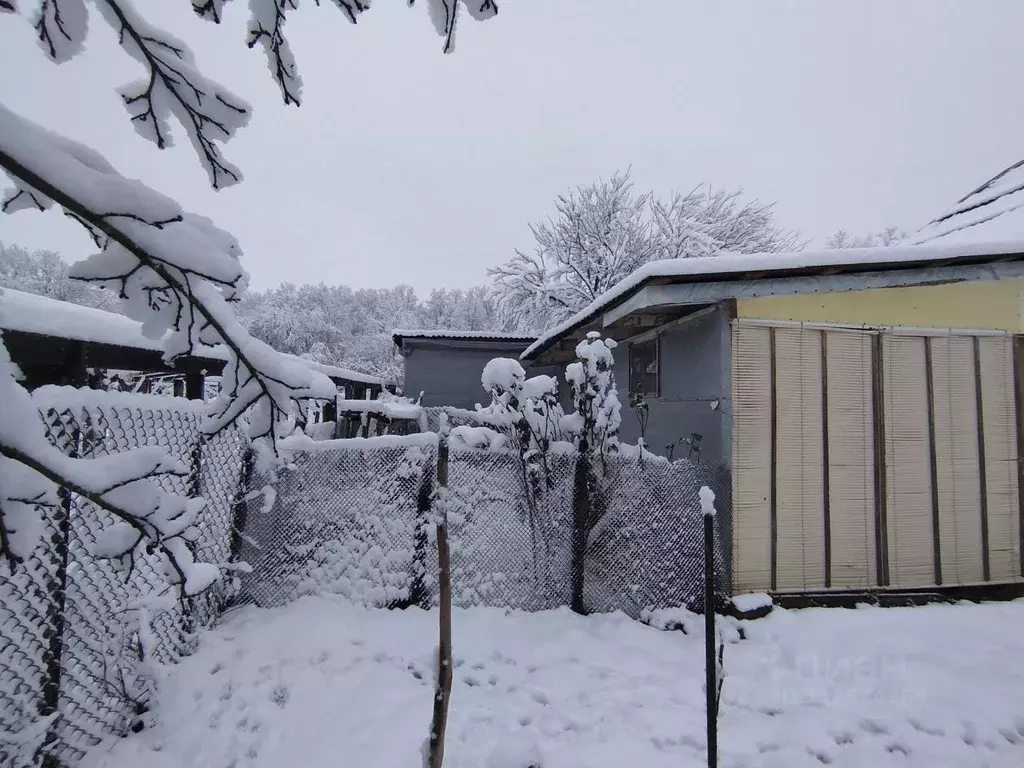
<point x="603" y="231"/>
<point x="736" y="266"/>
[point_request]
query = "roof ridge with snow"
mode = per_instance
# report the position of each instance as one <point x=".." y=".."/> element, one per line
<point x="733" y="266"/>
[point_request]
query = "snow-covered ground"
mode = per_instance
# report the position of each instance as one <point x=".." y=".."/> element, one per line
<point x="320" y="682"/>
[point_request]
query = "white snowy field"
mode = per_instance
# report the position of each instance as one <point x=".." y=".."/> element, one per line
<point x="323" y="683"/>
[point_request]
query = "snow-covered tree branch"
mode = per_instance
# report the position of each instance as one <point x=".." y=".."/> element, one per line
<point x="174" y="271"/>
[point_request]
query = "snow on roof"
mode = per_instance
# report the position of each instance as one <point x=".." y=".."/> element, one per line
<point x="29" y="313"/>
<point x="468" y="335"/>
<point x="994" y="211"/>
<point x="733" y="266"/>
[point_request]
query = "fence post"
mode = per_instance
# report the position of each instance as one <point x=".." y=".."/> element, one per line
<point x="710" y="657"/>
<point x="580" y="522"/>
<point x="240" y="507"/>
<point x="418" y="590"/>
<point x="443" y="683"/>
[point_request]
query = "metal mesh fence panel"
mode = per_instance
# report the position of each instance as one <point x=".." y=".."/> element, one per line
<point x="29" y="618"/>
<point x="69" y="620"/>
<point x="509" y="530"/>
<point x="340" y="519"/>
<point x="646" y="546"/>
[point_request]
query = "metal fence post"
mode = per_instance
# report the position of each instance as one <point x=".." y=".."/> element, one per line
<point x="710" y="657"/>
<point x="580" y="521"/>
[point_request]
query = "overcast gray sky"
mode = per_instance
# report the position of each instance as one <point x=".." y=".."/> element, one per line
<point x="404" y="165"/>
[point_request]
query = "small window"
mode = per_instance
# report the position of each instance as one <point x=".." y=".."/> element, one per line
<point x="643" y="368"/>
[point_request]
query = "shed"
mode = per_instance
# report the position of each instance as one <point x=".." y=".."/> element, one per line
<point x="867" y="403"/>
<point x="445" y="366"/>
<point x="56" y="342"/>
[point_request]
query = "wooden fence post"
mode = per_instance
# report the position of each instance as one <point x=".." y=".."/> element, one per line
<point x="443" y="683"/>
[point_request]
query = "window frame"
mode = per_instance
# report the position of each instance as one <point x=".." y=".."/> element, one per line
<point x="656" y="343"/>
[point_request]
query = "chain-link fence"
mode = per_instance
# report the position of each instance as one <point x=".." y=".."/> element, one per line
<point x="355" y="518"/>
<point x="340" y="520"/>
<point x="73" y="669"/>
<point x="646" y="547"/>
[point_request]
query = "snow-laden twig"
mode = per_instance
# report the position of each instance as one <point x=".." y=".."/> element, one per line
<point x="8" y="6"/>
<point x="173" y="86"/>
<point x="266" y="28"/>
<point x="61" y="26"/>
<point x="211" y="10"/>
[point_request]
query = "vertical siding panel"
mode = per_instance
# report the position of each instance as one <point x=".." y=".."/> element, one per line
<point x="908" y="463"/>
<point x="751" y="451"/>
<point x="850" y="460"/>
<point x="799" y="474"/>
<point x="956" y="455"/>
<point x="999" y="429"/>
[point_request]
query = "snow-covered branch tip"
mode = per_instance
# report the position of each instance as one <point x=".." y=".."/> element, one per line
<point x="8" y="6"/>
<point x="61" y="26"/>
<point x="707" y="501"/>
<point x="174" y="271"/>
<point x="210" y="10"/>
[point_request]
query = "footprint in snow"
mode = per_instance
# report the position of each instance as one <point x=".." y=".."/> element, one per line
<point x="821" y="757"/>
<point x="842" y="739"/>
<point x="280" y="695"/>
<point x="917" y="725"/>
<point x="873" y="727"/>
<point x="897" y="748"/>
<point x="1011" y="736"/>
<point x="765" y="748"/>
<point x="540" y="697"/>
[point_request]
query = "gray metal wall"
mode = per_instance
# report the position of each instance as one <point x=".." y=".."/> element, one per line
<point x="695" y="365"/>
<point x="450" y="375"/>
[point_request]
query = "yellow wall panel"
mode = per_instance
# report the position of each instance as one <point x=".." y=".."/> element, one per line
<point x="994" y="305"/>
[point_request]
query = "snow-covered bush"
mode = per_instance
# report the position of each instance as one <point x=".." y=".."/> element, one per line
<point x="174" y="271"/>
<point x="598" y="410"/>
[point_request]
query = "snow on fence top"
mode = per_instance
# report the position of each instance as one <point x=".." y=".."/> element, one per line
<point x="993" y="211"/>
<point x="399" y="335"/>
<point x="30" y="313"/>
<point x="737" y="266"/>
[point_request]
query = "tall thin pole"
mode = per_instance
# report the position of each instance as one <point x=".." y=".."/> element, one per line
<point x="710" y="657"/>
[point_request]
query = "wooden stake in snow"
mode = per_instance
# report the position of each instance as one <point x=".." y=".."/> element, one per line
<point x="443" y="680"/>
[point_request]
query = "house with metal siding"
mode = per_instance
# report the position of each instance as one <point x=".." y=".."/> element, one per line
<point x="867" y="404"/>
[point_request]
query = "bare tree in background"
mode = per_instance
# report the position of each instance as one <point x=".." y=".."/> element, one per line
<point x="173" y="270"/>
<point x="601" y="232"/>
